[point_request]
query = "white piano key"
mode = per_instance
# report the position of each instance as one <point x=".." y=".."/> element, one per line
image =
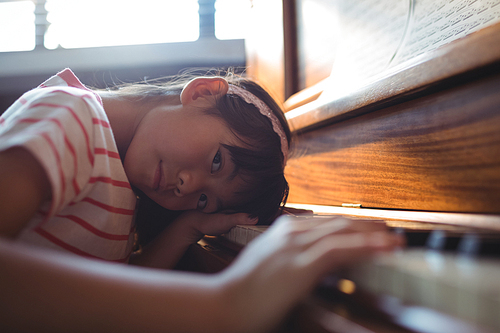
<point x="457" y="285"/>
<point x="467" y="306"/>
<point x="488" y="313"/>
<point x="444" y="282"/>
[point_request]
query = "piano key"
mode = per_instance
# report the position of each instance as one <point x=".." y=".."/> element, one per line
<point x="449" y="283"/>
<point x="452" y="275"/>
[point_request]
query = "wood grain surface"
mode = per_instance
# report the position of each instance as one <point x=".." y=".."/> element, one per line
<point x="438" y="153"/>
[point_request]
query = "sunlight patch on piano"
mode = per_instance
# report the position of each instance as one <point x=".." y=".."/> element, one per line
<point x="465" y="219"/>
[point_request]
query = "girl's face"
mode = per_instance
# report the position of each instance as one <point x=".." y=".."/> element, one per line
<point x="176" y="158"/>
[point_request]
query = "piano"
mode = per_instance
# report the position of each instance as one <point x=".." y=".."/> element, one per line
<point x="395" y="109"/>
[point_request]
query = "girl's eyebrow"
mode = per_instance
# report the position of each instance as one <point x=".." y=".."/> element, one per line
<point x="228" y="179"/>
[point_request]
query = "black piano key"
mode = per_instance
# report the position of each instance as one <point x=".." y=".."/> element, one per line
<point x="436" y="240"/>
<point x="469" y="245"/>
<point x="475" y="245"/>
<point x="413" y="238"/>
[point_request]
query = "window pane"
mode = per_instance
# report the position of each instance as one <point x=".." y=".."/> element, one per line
<point x="17" y="26"/>
<point x="232" y="18"/>
<point x="90" y="23"/>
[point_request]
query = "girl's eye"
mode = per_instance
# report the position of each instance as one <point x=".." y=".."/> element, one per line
<point x="202" y="202"/>
<point x="217" y="162"/>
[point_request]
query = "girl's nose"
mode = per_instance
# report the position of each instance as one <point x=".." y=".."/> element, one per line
<point x="187" y="183"/>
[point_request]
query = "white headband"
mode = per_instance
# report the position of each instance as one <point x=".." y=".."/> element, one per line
<point x="264" y="110"/>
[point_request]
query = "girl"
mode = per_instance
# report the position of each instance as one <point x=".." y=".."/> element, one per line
<point x="72" y="161"/>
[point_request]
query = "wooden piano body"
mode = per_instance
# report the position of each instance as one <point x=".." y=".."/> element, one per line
<point x="395" y="118"/>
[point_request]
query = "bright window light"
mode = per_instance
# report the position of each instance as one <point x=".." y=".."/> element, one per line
<point x="92" y="23"/>
<point x="232" y="18"/>
<point x="17" y="26"/>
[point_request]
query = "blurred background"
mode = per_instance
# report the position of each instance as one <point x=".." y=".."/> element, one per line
<point x="114" y="41"/>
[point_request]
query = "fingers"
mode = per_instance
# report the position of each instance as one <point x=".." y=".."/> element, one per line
<point x="238" y="219"/>
<point x="318" y="231"/>
<point x="304" y="223"/>
<point x="249" y="220"/>
<point x="219" y="223"/>
<point x="329" y="243"/>
<point x="335" y="251"/>
<point x="308" y="230"/>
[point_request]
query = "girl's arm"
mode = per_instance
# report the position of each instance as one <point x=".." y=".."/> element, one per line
<point x="44" y="291"/>
<point x="23" y="187"/>
<point x="166" y="249"/>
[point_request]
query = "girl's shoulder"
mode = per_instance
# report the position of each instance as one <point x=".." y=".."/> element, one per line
<point x="66" y="89"/>
<point x="54" y="104"/>
<point x="66" y="79"/>
<point x="57" y="102"/>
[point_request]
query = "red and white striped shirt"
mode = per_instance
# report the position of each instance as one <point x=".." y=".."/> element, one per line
<point x="91" y="212"/>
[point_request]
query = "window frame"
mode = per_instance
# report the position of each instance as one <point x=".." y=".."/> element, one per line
<point x="207" y="51"/>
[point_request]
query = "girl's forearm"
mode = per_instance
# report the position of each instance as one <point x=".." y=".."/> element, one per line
<point x="45" y="291"/>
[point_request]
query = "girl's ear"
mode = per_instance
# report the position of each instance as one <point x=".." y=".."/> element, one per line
<point x="203" y="87"/>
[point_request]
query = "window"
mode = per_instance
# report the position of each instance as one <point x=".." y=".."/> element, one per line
<point x="73" y="24"/>
<point x="17" y="26"/>
<point x="232" y="18"/>
<point x="91" y="23"/>
<point x="154" y="37"/>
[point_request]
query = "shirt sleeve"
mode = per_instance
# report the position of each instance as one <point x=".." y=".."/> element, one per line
<point x="55" y="125"/>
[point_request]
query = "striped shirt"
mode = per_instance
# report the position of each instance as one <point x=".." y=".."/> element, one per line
<point x="91" y="211"/>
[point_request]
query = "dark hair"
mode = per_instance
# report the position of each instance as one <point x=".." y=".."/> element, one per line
<point x="259" y="162"/>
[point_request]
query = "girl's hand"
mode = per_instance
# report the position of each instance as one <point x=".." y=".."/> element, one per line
<point x="169" y="246"/>
<point x="282" y="266"/>
<point x="202" y="224"/>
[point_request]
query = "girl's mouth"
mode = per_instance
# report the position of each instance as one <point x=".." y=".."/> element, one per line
<point x="157" y="178"/>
